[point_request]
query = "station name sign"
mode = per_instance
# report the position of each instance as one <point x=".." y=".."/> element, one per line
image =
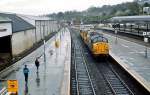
<point x="2" y="29"/>
<point x="146" y="33"/>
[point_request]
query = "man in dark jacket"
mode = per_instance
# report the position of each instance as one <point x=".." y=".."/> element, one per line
<point x="37" y="64"/>
<point x="26" y="71"/>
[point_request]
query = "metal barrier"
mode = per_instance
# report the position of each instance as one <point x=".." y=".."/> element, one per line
<point x="3" y="91"/>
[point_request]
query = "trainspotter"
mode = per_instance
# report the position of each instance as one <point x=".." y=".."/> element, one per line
<point x="96" y="42"/>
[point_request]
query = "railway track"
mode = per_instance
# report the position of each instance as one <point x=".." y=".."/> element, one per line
<point x="115" y="83"/>
<point x="105" y="80"/>
<point x="116" y="86"/>
<point x="81" y="80"/>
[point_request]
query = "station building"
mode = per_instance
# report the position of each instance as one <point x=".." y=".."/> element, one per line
<point x="19" y="33"/>
<point x="5" y="39"/>
<point x="22" y="37"/>
<point x="44" y="25"/>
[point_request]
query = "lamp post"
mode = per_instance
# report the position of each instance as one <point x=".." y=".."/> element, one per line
<point x="146" y="41"/>
<point x="146" y="34"/>
<point x="116" y="35"/>
<point x="44" y="43"/>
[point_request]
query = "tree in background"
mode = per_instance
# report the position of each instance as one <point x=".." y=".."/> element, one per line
<point x="134" y="8"/>
<point x="97" y="14"/>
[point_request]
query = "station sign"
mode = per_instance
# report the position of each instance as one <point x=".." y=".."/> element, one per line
<point x="3" y="30"/>
<point x="12" y="86"/>
<point x="146" y="40"/>
<point x="146" y="33"/>
<point x="116" y="31"/>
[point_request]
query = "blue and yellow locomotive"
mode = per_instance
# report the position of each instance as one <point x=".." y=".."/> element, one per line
<point x="96" y="42"/>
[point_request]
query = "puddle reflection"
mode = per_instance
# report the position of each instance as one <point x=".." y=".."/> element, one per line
<point x="37" y="79"/>
<point x="26" y="91"/>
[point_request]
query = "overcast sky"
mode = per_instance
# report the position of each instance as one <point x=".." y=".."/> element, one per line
<point x="37" y="7"/>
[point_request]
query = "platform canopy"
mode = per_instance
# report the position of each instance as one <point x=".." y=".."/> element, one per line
<point x="130" y="19"/>
<point x="18" y="24"/>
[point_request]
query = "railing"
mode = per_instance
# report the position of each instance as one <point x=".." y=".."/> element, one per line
<point x="3" y="91"/>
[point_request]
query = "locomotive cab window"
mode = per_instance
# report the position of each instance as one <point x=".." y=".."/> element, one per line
<point x="105" y="40"/>
<point x="99" y="39"/>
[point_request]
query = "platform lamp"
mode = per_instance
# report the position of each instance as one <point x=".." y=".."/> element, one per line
<point x="116" y="35"/>
<point x="115" y="29"/>
<point x="146" y="41"/>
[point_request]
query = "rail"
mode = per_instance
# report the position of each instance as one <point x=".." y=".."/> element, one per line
<point x="111" y="82"/>
<point x="82" y="77"/>
<point x="115" y="82"/>
<point x="3" y="91"/>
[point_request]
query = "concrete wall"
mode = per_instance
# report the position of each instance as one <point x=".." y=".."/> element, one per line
<point x="45" y="27"/>
<point x="22" y="41"/>
<point x="38" y="32"/>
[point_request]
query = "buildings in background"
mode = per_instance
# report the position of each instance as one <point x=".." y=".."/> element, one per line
<point x="142" y="1"/>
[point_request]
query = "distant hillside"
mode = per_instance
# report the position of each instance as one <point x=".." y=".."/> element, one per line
<point x="96" y="14"/>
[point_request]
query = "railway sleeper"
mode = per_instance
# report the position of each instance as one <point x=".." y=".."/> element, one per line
<point x="85" y="79"/>
<point x="81" y="72"/>
<point x="84" y="83"/>
<point x="121" y="91"/>
<point x="116" y="83"/>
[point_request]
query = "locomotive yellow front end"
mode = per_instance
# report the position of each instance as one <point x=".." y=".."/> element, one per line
<point x="100" y="49"/>
<point x="99" y="45"/>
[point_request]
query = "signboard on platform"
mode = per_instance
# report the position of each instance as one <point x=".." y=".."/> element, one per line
<point x="146" y="33"/>
<point x="146" y="40"/>
<point x="12" y="86"/>
<point x="3" y="30"/>
<point x="116" y="31"/>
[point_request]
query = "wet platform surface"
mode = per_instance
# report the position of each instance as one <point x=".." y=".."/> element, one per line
<point x="53" y="77"/>
<point x="131" y="56"/>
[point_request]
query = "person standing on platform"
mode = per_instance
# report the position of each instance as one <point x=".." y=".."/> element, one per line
<point x="26" y="71"/>
<point x="37" y="64"/>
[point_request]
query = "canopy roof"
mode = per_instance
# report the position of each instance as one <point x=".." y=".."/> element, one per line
<point x="18" y="24"/>
<point x="130" y="19"/>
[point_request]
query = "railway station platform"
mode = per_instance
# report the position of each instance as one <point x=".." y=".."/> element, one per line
<point x="122" y="31"/>
<point x="131" y="56"/>
<point x="53" y="77"/>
